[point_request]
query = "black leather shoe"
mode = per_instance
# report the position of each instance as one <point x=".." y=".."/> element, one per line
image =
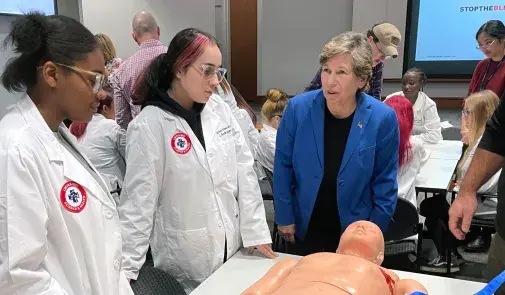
<point x="476" y="246"/>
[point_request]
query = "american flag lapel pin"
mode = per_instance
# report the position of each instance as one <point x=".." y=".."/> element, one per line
<point x="360" y="126"/>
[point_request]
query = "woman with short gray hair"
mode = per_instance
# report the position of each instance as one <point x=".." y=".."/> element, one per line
<point x="336" y="156"/>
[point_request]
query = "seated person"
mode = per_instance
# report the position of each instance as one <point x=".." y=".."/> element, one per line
<point x="412" y="154"/>
<point x="104" y="142"/>
<point x="479" y="108"/>
<point x="271" y="114"/>
<point x="426" y="120"/>
<point x="358" y="258"/>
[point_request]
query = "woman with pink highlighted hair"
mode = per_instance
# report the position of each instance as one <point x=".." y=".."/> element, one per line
<point x="190" y="191"/>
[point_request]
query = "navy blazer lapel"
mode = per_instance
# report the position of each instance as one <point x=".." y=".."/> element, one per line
<point x="359" y="123"/>
<point x="317" y="119"/>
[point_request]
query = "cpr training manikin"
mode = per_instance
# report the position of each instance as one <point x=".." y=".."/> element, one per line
<point x="355" y="269"/>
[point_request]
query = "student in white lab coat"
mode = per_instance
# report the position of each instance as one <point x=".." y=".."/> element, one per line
<point x="59" y="228"/>
<point x="426" y="120"/>
<point x="271" y="114"/>
<point x="412" y="154"/>
<point x="190" y="191"/>
<point x="245" y="117"/>
<point x="104" y="142"/>
<point x="479" y="107"/>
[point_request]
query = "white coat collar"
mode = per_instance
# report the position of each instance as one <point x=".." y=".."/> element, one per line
<point x="419" y="101"/>
<point x="46" y="136"/>
<point x="55" y="150"/>
<point x="268" y="128"/>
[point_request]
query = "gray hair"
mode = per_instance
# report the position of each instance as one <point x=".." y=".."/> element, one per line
<point x="144" y="23"/>
<point x="354" y="44"/>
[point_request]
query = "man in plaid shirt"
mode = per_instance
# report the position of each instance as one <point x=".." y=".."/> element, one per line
<point x="384" y="39"/>
<point x="147" y="35"/>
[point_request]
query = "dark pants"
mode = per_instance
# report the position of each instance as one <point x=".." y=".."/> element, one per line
<point x="311" y="246"/>
<point x="496" y="261"/>
<point x="436" y="211"/>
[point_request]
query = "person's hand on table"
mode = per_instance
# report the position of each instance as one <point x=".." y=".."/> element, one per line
<point x="461" y="214"/>
<point x="265" y="250"/>
<point x="287" y="232"/>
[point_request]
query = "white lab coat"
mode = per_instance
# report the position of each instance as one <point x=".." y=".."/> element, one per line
<point x="250" y="132"/>
<point x="104" y="142"/>
<point x="184" y="201"/>
<point x="44" y="248"/>
<point x="426" y="120"/>
<point x="407" y="174"/>
<point x="266" y="147"/>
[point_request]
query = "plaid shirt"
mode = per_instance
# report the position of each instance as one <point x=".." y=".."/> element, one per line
<point x="125" y="76"/>
<point x="375" y="82"/>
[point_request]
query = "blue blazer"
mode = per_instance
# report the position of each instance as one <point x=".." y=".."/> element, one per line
<point x="367" y="187"/>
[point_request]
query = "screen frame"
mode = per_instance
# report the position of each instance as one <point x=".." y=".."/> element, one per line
<point x="454" y="69"/>
<point x="55" y="4"/>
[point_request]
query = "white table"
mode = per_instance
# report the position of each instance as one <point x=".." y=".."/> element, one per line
<point x="436" y="174"/>
<point x="445" y="149"/>
<point x="242" y="270"/>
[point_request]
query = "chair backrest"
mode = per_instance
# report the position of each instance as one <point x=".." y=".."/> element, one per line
<point x="153" y="281"/>
<point x="404" y="221"/>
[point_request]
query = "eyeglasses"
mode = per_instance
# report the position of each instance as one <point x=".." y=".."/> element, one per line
<point x="208" y="71"/>
<point x="382" y="53"/>
<point x="485" y="45"/>
<point x="466" y="112"/>
<point x="99" y="77"/>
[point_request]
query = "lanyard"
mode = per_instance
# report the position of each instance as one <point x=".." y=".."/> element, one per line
<point x="484" y="81"/>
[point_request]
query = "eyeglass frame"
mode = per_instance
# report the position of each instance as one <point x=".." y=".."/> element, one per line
<point x="217" y="71"/>
<point x="466" y="112"/>
<point x="100" y="78"/>
<point x="487" y="45"/>
<point x="377" y="46"/>
<point x="381" y="52"/>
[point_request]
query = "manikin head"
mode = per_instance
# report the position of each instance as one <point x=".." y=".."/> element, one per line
<point x="363" y="239"/>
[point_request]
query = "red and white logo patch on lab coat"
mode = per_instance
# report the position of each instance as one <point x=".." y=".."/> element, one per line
<point x="73" y="197"/>
<point x="181" y="143"/>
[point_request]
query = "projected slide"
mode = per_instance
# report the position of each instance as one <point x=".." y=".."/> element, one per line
<point x="446" y="28"/>
<point x="23" y="6"/>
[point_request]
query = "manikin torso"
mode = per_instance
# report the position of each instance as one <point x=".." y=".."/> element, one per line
<point x="329" y="273"/>
<point x="355" y="269"/>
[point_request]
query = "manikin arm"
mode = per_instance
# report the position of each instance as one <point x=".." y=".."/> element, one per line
<point x="272" y="280"/>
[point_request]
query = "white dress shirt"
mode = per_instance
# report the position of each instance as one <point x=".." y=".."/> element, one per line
<point x="426" y="120"/>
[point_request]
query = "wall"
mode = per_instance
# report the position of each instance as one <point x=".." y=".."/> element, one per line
<point x="114" y="17"/>
<point x="222" y="32"/>
<point x="291" y="34"/>
<point x="6" y="98"/>
<point x="366" y="13"/>
<point x="69" y="8"/>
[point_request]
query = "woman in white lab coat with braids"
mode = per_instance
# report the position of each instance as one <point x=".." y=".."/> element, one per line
<point x="190" y="191"/>
<point x="59" y="228"/>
